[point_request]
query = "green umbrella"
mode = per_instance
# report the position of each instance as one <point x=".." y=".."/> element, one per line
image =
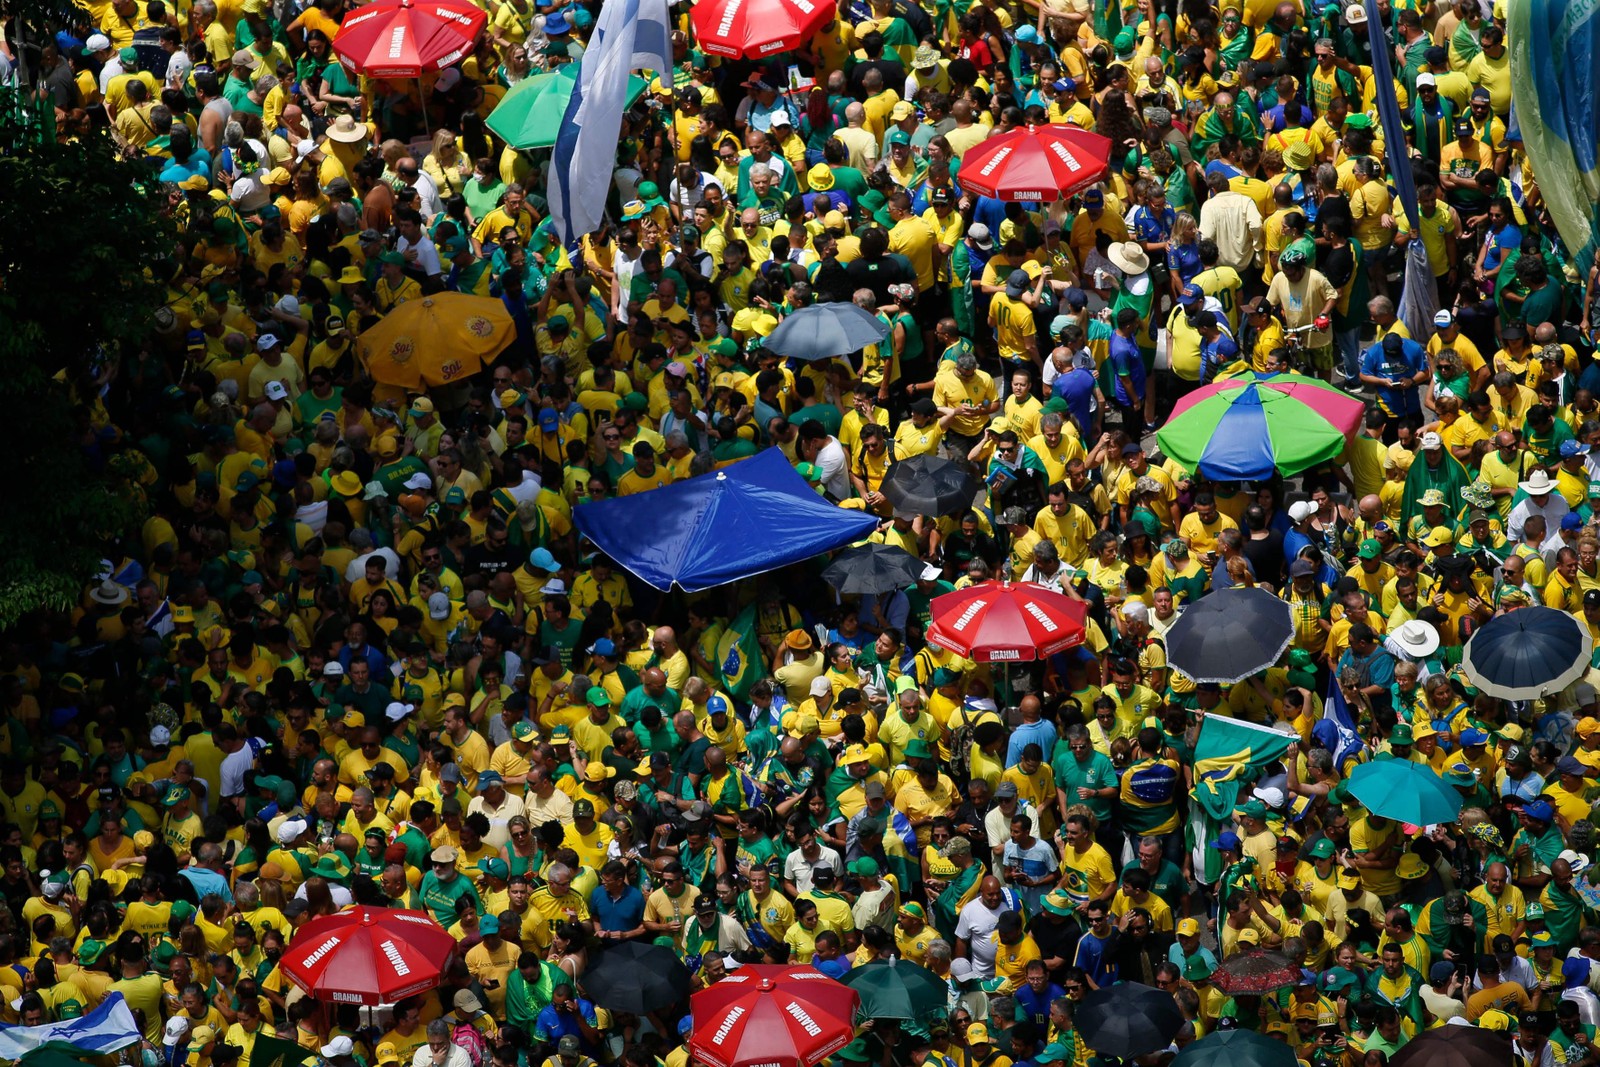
<point x="530" y="115"/>
<point x="1404" y="791"/>
<point x="1236" y="1048"/>
<point x="894" y="989"/>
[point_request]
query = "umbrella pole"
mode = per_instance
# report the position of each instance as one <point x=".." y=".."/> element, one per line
<point x="422" y="97"/>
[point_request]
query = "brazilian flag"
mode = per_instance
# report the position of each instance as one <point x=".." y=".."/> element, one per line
<point x="739" y="655"/>
<point x="1228" y="754"/>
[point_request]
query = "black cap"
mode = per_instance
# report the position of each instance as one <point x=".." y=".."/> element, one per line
<point x="924" y="406"/>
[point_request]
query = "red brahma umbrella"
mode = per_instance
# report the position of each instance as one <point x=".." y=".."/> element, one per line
<point x="1040" y="163"/>
<point x="755" y="28"/>
<point x="1001" y="622"/>
<point x="408" y="38"/>
<point x="368" y="955"/>
<point x="772" y="1015"/>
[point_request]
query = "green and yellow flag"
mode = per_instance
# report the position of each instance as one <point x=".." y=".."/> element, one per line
<point x="739" y="655"/>
<point x="1225" y="753"/>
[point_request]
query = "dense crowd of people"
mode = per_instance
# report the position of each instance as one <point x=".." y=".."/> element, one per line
<point x="358" y="652"/>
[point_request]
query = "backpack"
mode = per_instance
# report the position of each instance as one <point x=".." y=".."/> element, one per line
<point x="470" y="1040"/>
<point x="961" y="746"/>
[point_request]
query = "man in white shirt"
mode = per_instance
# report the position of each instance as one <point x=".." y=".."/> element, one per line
<point x="823" y="451"/>
<point x="412" y="236"/>
<point x="977" y="920"/>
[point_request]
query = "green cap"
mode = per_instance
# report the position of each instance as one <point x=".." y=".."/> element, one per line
<point x="865" y="867"/>
<point x="90" y="951"/>
<point x="1054" y="1052"/>
<point x="182" y="909"/>
<point x="176" y="795"/>
<point x="392" y="259"/>
<point x="1252" y="808"/>
<point x="1322" y="849"/>
<point x="524" y="730"/>
<point x="128" y="55"/>
<point x="1369" y="549"/>
<point x="1125" y="42"/>
<point x="1197" y="968"/>
<point x="598" y="697"/>
<point x="917" y="748"/>
<point x="723" y="346"/>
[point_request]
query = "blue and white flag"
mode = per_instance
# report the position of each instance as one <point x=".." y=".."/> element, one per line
<point x="105" y="1030"/>
<point x="1338" y="727"/>
<point x="629" y="35"/>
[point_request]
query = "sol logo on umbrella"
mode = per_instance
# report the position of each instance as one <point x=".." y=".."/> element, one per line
<point x="402" y="349"/>
<point x="479" y="326"/>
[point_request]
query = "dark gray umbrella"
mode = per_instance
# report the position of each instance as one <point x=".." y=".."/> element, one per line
<point x="928" y="485"/>
<point x="1229" y="635"/>
<point x="823" y="331"/>
<point x="1128" y="1020"/>
<point x="636" y="977"/>
<point x="869" y="569"/>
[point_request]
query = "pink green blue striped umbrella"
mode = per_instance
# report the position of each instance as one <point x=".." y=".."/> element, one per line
<point x="1244" y="429"/>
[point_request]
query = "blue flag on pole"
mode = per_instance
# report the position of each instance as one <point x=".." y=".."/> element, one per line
<point x="629" y="35"/>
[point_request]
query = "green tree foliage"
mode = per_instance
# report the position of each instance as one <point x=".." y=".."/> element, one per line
<point x="81" y="250"/>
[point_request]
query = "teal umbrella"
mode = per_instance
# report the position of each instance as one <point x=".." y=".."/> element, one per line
<point x="1236" y="1048"/>
<point x="530" y="115"/>
<point x="1405" y="792"/>
<point x="894" y="989"/>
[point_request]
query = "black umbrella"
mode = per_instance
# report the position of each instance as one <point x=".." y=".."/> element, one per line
<point x="636" y="977"/>
<point x="1455" y="1046"/>
<point x="1229" y="635"/>
<point x="1525" y="654"/>
<point x="871" y="569"/>
<point x="823" y="331"/>
<point x="928" y="485"/>
<point x="1128" y="1020"/>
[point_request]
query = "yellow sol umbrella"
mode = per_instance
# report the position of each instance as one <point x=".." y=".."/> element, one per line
<point x="436" y="340"/>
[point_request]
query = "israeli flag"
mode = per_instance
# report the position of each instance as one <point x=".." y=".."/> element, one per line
<point x="629" y="35"/>
<point x="103" y="1031"/>
<point x="1337" y="712"/>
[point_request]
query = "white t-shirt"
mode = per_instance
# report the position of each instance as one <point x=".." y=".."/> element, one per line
<point x="974" y="925"/>
<point x="834" y="468"/>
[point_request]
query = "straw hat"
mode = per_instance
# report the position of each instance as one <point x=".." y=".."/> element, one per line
<point x="1129" y="258"/>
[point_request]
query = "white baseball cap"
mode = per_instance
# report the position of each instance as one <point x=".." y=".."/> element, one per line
<point x="290" y="829"/>
<point x="1431" y="440"/>
<point x="176" y="1026"/>
<point x="439" y="607"/>
<point x="339" y="1046"/>
<point x="276" y="391"/>
<point x="419" y="481"/>
<point x="97" y="42"/>
<point x="1300" y="511"/>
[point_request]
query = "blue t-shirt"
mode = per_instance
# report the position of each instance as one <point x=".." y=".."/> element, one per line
<point x="1127" y="366"/>
<point x="1411" y="360"/>
<point x="624" y="914"/>
<point x="1076" y="387"/>
<point x="551" y="1025"/>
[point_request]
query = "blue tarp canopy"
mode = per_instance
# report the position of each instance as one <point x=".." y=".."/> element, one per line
<point x="752" y="517"/>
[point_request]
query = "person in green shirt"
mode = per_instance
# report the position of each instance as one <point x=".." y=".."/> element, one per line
<point x="1083" y="775"/>
<point x="443" y="885"/>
